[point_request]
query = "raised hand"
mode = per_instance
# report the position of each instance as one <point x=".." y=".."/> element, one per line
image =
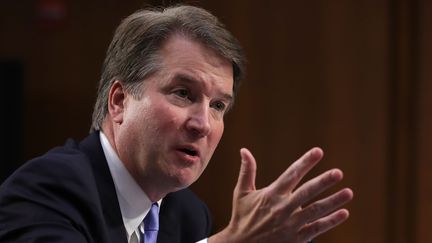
<point x="284" y="211"/>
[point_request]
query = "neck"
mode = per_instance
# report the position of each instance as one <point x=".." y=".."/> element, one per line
<point x="154" y="189"/>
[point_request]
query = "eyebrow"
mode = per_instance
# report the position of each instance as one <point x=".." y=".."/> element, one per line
<point x="189" y="79"/>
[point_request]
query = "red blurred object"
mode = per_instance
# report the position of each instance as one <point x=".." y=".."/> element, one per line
<point x="51" y="14"/>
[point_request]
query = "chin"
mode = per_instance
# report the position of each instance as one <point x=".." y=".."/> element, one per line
<point x="184" y="179"/>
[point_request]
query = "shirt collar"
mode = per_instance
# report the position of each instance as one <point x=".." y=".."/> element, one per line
<point x="134" y="203"/>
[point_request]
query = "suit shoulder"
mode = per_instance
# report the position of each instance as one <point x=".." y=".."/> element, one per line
<point x="61" y="171"/>
<point x="67" y="161"/>
<point x="56" y="189"/>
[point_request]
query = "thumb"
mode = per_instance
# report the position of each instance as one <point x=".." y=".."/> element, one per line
<point x="246" y="179"/>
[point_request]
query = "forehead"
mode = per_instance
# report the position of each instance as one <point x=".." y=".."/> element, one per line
<point x="184" y="56"/>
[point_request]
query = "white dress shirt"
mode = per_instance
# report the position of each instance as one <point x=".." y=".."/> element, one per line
<point x="134" y="203"/>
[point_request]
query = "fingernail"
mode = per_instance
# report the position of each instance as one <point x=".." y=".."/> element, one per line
<point x="336" y="174"/>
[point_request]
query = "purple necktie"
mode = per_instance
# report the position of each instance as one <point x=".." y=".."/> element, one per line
<point x="151" y="225"/>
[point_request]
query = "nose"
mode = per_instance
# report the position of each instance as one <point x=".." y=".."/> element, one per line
<point x="198" y="123"/>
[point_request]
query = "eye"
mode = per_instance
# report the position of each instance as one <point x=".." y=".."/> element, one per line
<point x="182" y="93"/>
<point x="219" y="106"/>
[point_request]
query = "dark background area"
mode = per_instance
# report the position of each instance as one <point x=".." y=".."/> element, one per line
<point x="353" y="77"/>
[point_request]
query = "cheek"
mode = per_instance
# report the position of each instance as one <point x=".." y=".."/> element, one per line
<point x="165" y="118"/>
<point x="220" y="130"/>
<point x="217" y="135"/>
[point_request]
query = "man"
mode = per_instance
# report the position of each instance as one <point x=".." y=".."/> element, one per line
<point x="169" y="77"/>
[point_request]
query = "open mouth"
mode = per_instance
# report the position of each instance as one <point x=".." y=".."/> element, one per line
<point x="190" y="152"/>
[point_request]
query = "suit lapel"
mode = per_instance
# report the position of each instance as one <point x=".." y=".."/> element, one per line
<point x="169" y="228"/>
<point x="108" y="197"/>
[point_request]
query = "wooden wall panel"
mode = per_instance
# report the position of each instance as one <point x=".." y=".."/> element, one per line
<point x="318" y="76"/>
<point x="423" y="207"/>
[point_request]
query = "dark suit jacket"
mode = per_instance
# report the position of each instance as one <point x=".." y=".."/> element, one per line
<point x="68" y="195"/>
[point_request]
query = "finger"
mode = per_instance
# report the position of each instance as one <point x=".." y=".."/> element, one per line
<point x="314" y="187"/>
<point x="323" y="207"/>
<point x="312" y="230"/>
<point x="292" y="176"/>
<point x="246" y="179"/>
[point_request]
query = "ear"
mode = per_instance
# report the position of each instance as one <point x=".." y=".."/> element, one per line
<point x="116" y="101"/>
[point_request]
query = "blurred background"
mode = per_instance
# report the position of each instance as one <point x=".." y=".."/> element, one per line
<point x="353" y="77"/>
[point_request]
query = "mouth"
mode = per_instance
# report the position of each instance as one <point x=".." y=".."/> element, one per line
<point x="189" y="151"/>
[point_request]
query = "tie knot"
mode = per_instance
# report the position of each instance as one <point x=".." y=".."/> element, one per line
<point x="151" y="220"/>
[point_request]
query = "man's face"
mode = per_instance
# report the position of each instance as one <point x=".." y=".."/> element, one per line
<point x="167" y="137"/>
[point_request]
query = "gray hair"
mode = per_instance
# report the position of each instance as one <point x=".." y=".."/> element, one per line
<point x="133" y="53"/>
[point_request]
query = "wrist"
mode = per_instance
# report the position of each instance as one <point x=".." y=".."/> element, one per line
<point x="224" y="236"/>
